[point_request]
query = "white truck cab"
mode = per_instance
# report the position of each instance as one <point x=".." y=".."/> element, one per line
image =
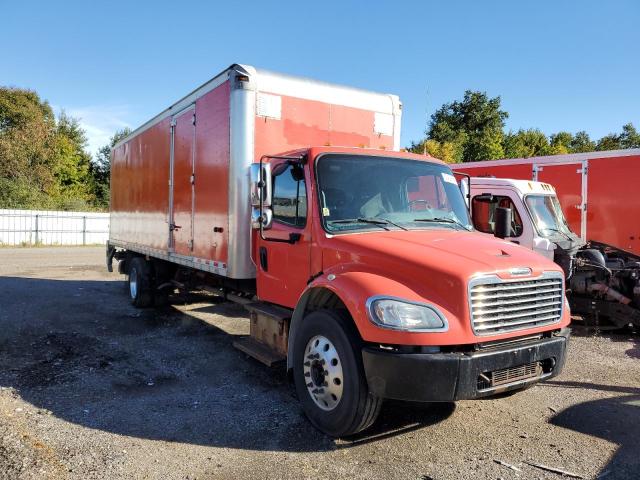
<point x="536" y="216"/>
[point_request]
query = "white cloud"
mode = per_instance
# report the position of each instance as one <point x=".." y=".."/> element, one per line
<point x="99" y="122"/>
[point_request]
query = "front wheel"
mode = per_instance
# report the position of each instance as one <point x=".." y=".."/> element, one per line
<point x="140" y="283"/>
<point x="329" y="376"/>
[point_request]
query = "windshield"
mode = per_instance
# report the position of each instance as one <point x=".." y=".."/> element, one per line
<point x="547" y="215"/>
<point x="359" y="192"/>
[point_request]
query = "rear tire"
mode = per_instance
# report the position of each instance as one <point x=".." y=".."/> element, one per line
<point x="326" y="338"/>
<point x="140" y="283"/>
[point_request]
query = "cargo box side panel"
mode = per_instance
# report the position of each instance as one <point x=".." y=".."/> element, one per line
<point x="211" y="216"/>
<point x="567" y="181"/>
<point x="139" y="189"/>
<point x="613" y="206"/>
<point x="296" y="123"/>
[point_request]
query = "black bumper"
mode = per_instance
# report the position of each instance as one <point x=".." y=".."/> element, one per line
<point x="444" y="377"/>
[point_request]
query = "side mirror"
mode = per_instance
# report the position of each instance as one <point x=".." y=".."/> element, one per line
<point x="503" y="222"/>
<point x="261" y="193"/>
<point x="265" y="217"/>
<point x="260" y="185"/>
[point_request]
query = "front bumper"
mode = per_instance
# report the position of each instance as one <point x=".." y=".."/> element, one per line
<point x="445" y="377"/>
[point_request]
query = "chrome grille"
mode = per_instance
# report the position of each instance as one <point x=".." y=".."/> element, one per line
<point x="499" y="306"/>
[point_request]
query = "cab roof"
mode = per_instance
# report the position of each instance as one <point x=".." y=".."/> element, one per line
<point x="524" y="186"/>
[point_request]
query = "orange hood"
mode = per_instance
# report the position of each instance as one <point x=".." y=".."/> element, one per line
<point x="436" y="264"/>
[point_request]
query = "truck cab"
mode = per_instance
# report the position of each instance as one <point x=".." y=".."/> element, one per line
<point x="603" y="281"/>
<point x="536" y="218"/>
<point x="393" y="292"/>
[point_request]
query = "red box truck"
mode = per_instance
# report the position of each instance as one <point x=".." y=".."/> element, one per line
<point x="358" y="263"/>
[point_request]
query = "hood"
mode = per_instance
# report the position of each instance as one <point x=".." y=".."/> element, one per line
<point x="458" y="253"/>
<point x="435" y="265"/>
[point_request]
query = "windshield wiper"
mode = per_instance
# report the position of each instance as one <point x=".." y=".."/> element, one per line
<point x="381" y="222"/>
<point x="440" y="220"/>
<point x="558" y="231"/>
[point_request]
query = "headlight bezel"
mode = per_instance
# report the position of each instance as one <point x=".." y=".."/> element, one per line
<point x="373" y="318"/>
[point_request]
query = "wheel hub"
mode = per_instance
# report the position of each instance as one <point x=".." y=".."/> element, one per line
<point x="133" y="283"/>
<point x="323" y="374"/>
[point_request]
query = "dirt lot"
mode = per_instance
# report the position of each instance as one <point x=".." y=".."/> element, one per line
<point x="92" y="388"/>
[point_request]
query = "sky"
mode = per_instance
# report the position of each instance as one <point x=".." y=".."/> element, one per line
<point x="556" y="64"/>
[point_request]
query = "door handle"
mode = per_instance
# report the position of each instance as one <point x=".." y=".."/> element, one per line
<point x="173" y="227"/>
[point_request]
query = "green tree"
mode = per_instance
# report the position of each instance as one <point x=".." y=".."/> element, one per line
<point x="101" y="169"/>
<point x="475" y="123"/>
<point x="630" y="137"/>
<point x="581" y="143"/>
<point x="609" y="142"/>
<point x="526" y="143"/>
<point x="560" y="143"/>
<point x="43" y="160"/>
<point x="448" y="152"/>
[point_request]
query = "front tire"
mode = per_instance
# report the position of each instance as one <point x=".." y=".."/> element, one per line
<point x="329" y="376"/>
<point x="140" y="283"/>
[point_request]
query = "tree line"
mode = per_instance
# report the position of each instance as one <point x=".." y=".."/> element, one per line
<point x="44" y="162"/>
<point x="473" y="129"/>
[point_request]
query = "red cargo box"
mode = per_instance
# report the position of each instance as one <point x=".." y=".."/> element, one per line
<point x="180" y="183"/>
<point x="597" y="190"/>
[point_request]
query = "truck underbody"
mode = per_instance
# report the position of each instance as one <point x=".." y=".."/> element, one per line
<point x="604" y="286"/>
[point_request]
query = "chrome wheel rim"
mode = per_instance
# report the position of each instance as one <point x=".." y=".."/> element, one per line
<point x="322" y="370"/>
<point x="133" y="283"/>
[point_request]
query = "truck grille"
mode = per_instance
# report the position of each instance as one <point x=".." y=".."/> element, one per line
<point x="509" y="375"/>
<point x="499" y="306"/>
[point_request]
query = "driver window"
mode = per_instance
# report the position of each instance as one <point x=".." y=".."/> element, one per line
<point x="290" y="197"/>
<point x="484" y="214"/>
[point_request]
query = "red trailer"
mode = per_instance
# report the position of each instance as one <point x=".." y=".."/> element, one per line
<point x="358" y="262"/>
<point x="598" y="191"/>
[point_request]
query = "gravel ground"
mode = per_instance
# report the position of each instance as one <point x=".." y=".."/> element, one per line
<point x="92" y="388"/>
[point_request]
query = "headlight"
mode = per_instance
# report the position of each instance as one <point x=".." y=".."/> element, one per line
<point x="403" y="315"/>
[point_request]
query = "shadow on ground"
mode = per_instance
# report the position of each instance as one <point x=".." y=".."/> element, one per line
<point x="78" y="350"/>
<point x="615" y="419"/>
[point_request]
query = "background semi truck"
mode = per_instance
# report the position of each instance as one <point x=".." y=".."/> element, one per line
<point x="603" y="282"/>
<point x="598" y="191"/>
<point x="358" y="263"/>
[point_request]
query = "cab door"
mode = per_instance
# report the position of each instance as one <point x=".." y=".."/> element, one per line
<point x="283" y="256"/>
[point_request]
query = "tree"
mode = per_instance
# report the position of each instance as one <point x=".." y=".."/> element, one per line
<point x="448" y="152"/>
<point x="581" y="143"/>
<point x="101" y="169"/>
<point x="476" y="124"/>
<point x="630" y="137"/>
<point x="526" y="143"/>
<point x="43" y="160"/>
<point x="560" y="143"/>
<point x="609" y="142"/>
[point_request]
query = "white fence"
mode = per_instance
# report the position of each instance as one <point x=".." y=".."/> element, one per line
<point x="44" y="227"/>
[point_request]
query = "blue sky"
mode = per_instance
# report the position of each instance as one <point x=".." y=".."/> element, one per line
<point x="572" y="65"/>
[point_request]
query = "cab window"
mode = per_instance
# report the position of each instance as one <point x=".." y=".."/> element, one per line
<point x="289" y="202"/>
<point x="484" y="214"/>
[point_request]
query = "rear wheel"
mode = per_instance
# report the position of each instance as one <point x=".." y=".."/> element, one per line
<point x="329" y="376"/>
<point x="140" y="283"/>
